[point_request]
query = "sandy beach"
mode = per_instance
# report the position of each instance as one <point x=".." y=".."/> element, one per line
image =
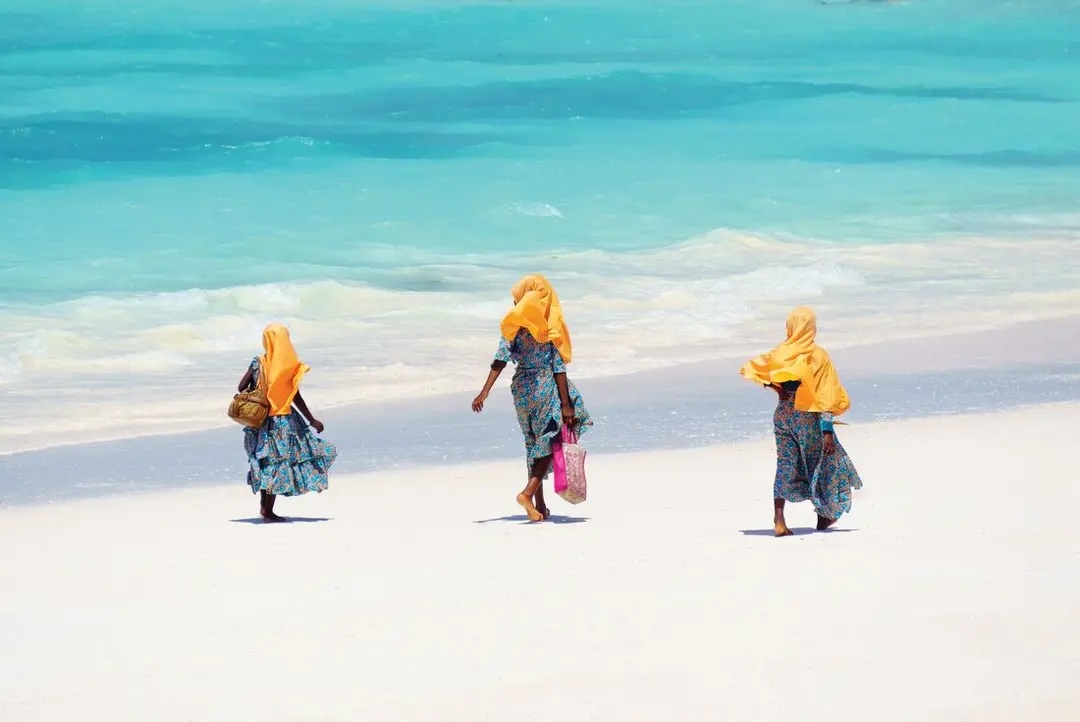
<point x="949" y="593"/>
<point x="361" y="194"/>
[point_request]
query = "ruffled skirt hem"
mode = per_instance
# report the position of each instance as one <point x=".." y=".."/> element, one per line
<point x="286" y="458"/>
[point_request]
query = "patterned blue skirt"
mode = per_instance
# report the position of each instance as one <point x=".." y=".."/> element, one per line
<point x="803" y="471"/>
<point x="286" y="458"/>
<point x="539" y="411"/>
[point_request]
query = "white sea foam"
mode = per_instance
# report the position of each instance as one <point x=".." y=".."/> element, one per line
<point x="721" y="294"/>
<point x="10" y="368"/>
<point x="537" y="210"/>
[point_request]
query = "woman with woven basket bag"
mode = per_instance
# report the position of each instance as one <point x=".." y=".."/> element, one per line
<point x="285" y="457"/>
<point x="535" y="338"/>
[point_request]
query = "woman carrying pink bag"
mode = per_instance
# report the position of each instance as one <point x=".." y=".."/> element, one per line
<point x="568" y="460"/>
<point x="535" y="338"/>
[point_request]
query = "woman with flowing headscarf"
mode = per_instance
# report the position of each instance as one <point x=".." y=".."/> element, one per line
<point x="284" y="457"/>
<point x="535" y="338"/>
<point x="810" y="462"/>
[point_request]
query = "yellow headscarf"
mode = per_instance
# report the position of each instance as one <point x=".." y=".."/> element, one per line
<point x="282" y="368"/>
<point x="799" y="358"/>
<point x="537" y="310"/>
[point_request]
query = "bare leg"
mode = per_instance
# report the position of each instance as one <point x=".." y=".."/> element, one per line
<point x="525" y="498"/>
<point x="824" y="522"/>
<point x="538" y="501"/>
<point x="266" y="507"/>
<point x="779" y="523"/>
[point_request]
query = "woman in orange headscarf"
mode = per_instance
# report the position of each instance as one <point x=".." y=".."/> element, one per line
<point x="284" y="456"/>
<point x="810" y="462"/>
<point x="535" y="338"/>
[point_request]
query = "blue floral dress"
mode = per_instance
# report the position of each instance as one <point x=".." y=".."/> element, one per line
<point x="285" y="457"/>
<point x="536" y="396"/>
<point x="802" y="470"/>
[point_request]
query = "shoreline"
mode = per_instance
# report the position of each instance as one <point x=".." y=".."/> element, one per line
<point x="665" y="415"/>
<point x="376" y="176"/>
<point x="758" y="444"/>
<point x="981" y="349"/>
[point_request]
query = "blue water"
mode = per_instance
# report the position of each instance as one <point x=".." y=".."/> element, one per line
<point x="173" y="174"/>
<point x="642" y="122"/>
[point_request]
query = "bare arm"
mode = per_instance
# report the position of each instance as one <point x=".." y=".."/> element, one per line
<point x="247" y="381"/>
<point x="828" y="436"/>
<point x="564" y="397"/>
<point x="564" y="390"/>
<point x="493" y="376"/>
<point x="303" y="407"/>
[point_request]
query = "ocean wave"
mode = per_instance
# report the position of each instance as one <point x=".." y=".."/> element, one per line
<point x="262" y="299"/>
<point x="10" y="368"/>
<point x="707" y="284"/>
<point x="720" y="294"/>
<point x="261" y="145"/>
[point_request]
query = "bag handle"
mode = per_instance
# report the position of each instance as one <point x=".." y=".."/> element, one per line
<point x="259" y="382"/>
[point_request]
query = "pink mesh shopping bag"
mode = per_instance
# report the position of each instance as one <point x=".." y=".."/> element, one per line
<point x="568" y="462"/>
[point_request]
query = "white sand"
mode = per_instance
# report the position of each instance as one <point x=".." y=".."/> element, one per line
<point x="951" y="593"/>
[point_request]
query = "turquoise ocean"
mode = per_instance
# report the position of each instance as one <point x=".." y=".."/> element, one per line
<point x="377" y="175"/>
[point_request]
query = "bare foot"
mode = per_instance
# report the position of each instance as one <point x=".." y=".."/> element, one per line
<point x="824" y="522"/>
<point x="544" y="512"/>
<point x="781" y="528"/>
<point x="527" y="505"/>
<point x="272" y="518"/>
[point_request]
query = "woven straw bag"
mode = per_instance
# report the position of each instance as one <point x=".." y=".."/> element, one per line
<point x="251" y="408"/>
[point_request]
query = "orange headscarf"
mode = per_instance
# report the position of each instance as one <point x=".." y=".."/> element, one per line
<point x="799" y="358"/>
<point x="537" y="310"/>
<point x="282" y="368"/>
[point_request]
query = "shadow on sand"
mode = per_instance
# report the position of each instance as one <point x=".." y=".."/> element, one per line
<point x="288" y="520"/>
<point x="798" y="531"/>
<point x="522" y="519"/>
